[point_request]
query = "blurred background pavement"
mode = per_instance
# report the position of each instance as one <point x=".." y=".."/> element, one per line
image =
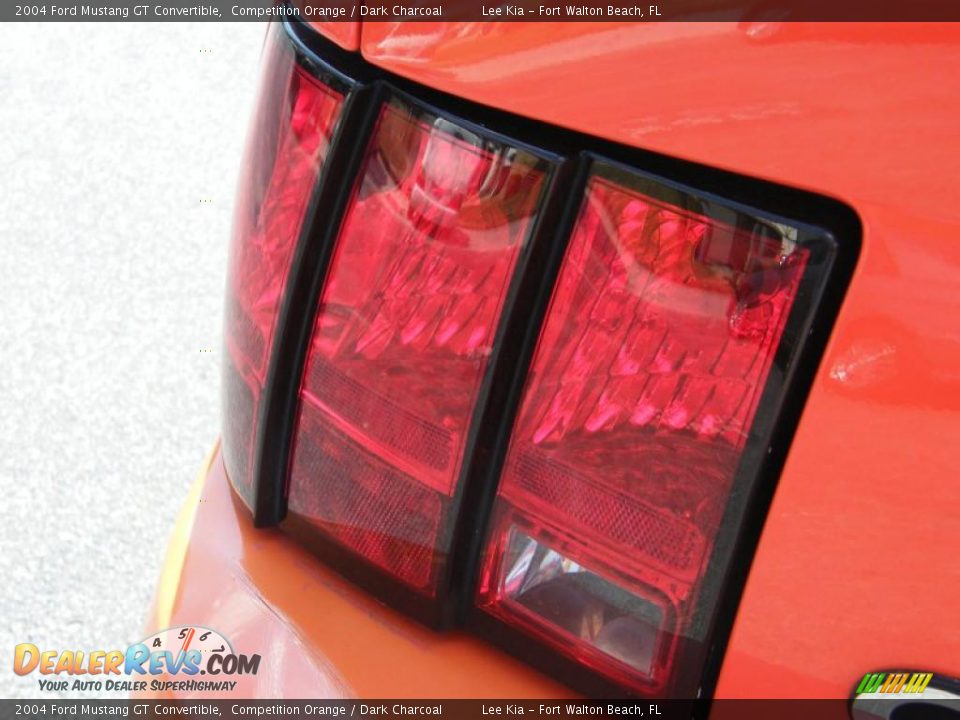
<point x="118" y="162"/>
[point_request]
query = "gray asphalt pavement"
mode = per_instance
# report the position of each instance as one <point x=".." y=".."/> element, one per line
<point x="111" y="283"/>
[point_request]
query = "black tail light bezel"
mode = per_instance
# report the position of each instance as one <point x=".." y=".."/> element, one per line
<point x="572" y="154"/>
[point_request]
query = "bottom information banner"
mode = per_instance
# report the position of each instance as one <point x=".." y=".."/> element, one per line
<point x="463" y="709"/>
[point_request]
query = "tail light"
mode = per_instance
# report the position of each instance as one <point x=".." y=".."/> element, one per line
<point x="402" y="336"/>
<point x="597" y="504"/>
<point x="286" y="150"/>
<point x="655" y="351"/>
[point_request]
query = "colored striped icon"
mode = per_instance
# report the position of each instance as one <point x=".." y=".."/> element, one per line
<point x="896" y="682"/>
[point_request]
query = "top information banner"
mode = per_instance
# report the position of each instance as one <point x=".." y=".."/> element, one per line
<point x="743" y="11"/>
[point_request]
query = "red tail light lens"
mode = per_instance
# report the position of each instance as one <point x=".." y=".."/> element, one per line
<point x="404" y="328"/>
<point x="288" y="144"/>
<point x="656" y="347"/>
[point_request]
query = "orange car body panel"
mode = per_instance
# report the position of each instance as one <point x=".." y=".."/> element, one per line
<point x="857" y="565"/>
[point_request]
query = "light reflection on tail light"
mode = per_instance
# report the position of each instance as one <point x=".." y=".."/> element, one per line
<point x="288" y="143"/>
<point x="657" y="345"/>
<point x="403" y="332"/>
<point x="592" y="616"/>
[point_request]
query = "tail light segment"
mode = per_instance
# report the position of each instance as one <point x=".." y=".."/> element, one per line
<point x="539" y="393"/>
<point x="288" y="143"/>
<point x="403" y="332"/>
<point x="657" y="345"/>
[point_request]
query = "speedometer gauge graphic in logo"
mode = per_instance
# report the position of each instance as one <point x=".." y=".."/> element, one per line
<point x="181" y="640"/>
<point x="190" y="651"/>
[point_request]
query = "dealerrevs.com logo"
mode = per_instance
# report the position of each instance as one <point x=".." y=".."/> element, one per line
<point x="178" y="659"/>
